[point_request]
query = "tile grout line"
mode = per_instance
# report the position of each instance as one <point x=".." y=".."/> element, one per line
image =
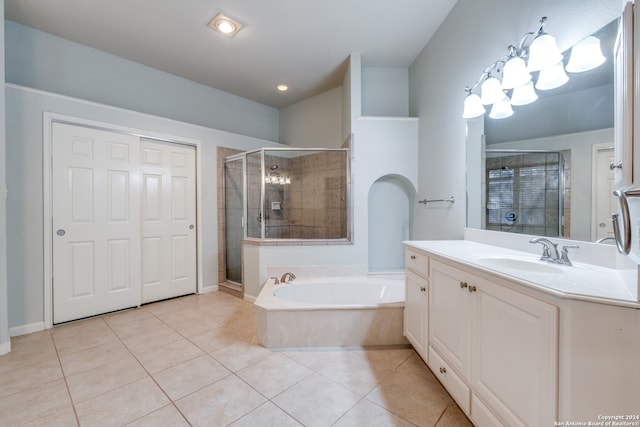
<point x="64" y="377"/>
<point x="149" y="375"/>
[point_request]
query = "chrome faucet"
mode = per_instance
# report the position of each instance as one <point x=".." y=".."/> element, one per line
<point x="291" y="276"/>
<point x="550" y="252"/>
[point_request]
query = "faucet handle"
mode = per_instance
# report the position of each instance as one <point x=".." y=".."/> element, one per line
<point x="564" y="257"/>
<point x="545" y="253"/>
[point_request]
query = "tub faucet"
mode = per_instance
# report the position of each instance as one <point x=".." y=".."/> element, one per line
<point x="550" y="250"/>
<point x="283" y="279"/>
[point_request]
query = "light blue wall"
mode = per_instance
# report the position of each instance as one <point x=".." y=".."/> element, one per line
<point x="42" y="61"/>
<point x="315" y="122"/>
<point x="385" y="91"/>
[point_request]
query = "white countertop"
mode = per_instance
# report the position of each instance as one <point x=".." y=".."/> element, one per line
<point x="579" y="281"/>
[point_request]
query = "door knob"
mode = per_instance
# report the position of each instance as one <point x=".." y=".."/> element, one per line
<point x="191" y="226"/>
<point x="61" y="232"/>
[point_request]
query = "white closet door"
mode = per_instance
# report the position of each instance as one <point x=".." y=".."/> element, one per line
<point x="96" y="222"/>
<point x="168" y="220"/>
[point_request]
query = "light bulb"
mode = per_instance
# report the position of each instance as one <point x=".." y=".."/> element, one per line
<point x="524" y="94"/>
<point x="491" y="91"/>
<point x="501" y="109"/>
<point x="585" y="55"/>
<point x="514" y="73"/>
<point x="552" y="77"/>
<point x="543" y="53"/>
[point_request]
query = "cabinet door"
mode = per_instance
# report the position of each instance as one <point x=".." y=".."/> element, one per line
<point x="515" y="353"/>
<point x="415" y="312"/>
<point x="449" y="327"/>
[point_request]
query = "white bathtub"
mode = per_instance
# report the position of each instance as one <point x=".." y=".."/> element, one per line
<point x="331" y="312"/>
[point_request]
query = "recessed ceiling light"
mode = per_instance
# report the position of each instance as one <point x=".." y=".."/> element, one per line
<point x="225" y="25"/>
<point x="282" y="87"/>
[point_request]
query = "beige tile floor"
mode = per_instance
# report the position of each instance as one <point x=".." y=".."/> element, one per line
<point x="194" y="361"/>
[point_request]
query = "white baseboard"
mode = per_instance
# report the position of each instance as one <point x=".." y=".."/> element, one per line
<point x="26" y="329"/>
<point x="249" y="298"/>
<point x="207" y="289"/>
<point x="5" y="348"/>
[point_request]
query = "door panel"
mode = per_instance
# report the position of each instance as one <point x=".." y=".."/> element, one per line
<point x="168" y="220"/>
<point x="95" y="222"/>
<point x="604" y="200"/>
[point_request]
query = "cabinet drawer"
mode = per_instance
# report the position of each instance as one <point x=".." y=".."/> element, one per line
<point x="417" y="262"/>
<point x="456" y="387"/>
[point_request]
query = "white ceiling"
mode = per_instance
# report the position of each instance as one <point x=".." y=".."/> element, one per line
<point x="302" y="43"/>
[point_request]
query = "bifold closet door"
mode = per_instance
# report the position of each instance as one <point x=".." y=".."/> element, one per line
<point x="96" y="222"/>
<point x="168" y="220"/>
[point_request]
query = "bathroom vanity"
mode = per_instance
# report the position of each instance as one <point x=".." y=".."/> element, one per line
<point x="520" y="342"/>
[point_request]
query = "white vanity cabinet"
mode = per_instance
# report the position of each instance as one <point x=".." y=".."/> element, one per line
<point x="501" y="342"/>
<point x="512" y="352"/>
<point x="416" y="299"/>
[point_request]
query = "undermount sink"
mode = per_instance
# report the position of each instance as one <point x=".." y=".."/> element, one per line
<point x="529" y="265"/>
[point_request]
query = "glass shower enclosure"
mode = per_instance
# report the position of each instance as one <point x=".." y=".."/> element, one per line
<point x="525" y="192"/>
<point x="284" y="195"/>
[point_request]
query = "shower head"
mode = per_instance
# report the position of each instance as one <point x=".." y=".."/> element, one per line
<point x="274" y="167"/>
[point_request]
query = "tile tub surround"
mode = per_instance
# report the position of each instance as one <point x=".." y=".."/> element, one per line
<point x="331" y="311"/>
<point x="194" y="361"/>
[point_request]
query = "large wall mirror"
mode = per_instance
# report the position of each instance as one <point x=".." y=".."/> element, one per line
<point x="545" y="170"/>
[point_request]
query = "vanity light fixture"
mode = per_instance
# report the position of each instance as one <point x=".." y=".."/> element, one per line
<point x="226" y="26"/>
<point x="509" y="80"/>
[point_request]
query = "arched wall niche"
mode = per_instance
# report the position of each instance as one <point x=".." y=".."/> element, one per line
<point x="390" y="217"/>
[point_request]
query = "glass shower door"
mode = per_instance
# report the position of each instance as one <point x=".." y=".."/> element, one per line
<point x="234" y="218"/>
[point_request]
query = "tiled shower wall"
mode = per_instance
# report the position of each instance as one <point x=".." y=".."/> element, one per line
<point x="314" y="205"/>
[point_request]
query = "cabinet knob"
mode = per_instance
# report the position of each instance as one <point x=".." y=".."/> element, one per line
<point x="443" y="370"/>
<point x="413" y="257"/>
<point x="613" y="166"/>
<point x="472" y="289"/>
<point x="423" y="289"/>
<point x="463" y="285"/>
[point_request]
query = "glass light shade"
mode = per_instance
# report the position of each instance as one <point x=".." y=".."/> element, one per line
<point x="543" y="53"/>
<point x="585" y="55"/>
<point x="501" y="109"/>
<point x="552" y="77"/>
<point x="491" y="91"/>
<point x="514" y="73"/>
<point x="473" y="107"/>
<point x="524" y="94"/>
